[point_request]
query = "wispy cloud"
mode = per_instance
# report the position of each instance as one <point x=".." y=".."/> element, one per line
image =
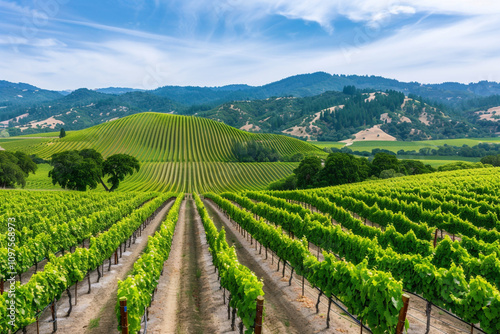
<point x="202" y="42"/>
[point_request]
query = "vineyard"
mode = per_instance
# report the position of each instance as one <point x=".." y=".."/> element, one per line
<point x="178" y="153"/>
<point x="417" y="254"/>
<point x="193" y="243"/>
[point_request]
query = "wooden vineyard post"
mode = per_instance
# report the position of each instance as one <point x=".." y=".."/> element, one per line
<point x="435" y="238"/>
<point x="124" y="315"/>
<point x="54" y="316"/>
<point x="116" y="257"/>
<point x="1" y="286"/>
<point x="402" y="314"/>
<point x="258" y="317"/>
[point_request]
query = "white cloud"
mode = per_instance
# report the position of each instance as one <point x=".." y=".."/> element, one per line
<point x="462" y="52"/>
<point x="324" y="12"/>
<point x="465" y="50"/>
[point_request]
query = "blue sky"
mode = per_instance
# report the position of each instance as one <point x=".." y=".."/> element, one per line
<point x="67" y="44"/>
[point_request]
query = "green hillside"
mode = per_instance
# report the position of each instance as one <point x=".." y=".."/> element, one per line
<point x="176" y="152"/>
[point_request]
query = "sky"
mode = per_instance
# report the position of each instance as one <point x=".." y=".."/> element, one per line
<point x="68" y="44"/>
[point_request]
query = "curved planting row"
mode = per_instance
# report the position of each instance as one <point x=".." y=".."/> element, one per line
<point x="154" y="137"/>
<point x="205" y="176"/>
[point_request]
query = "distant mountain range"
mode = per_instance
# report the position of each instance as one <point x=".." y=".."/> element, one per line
<point x="270" y="108"/>
<point x="298" y="86"/>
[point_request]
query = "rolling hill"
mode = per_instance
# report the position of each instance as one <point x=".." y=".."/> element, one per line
<point x="306" y="106"/>
<point x="22" y="93"/>
<point x="177" y="153"/>
<point x="363" y="113"/>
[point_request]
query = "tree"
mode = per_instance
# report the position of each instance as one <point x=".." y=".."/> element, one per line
<point x="79" y="170"/>
<point x="118" y="166"/>
<point x="414" y="167"/>
<point x="493" y="160"/>
<point x="384" y="161"/>
<point x="339" y="168"/>
<point x="14" y="168"/>
<point x="288" y="183"/>
<point x="307" y="171"/>
<point x="75" y="171"/>
<point x="349" y="90"/>
<point x="62" y="133"/>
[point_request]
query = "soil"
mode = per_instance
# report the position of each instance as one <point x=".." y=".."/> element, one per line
<point x="95" y="312"/>
<point x="286" y="310"/>
<point x="50" y="122"/>
<point x="373" y="133"/>
<point x="184" y="302"/>
<point x="489" y="115"/>
<point x="250" y="127"/>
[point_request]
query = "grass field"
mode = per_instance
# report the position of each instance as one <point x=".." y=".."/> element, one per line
<point x="41" y="180"/>
<point x="406" y="145"/>
<point x="394" y="146"/>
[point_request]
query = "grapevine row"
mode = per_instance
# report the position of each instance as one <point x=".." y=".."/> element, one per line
<point x="32" y="248"/>
<point x="243" y="285"/>
<point x="406" y="244"/>
<point x="373" y="295"/>
<point x="475" y="301"/>
<point x="60" y="273"/>
<point x="140" y="284"/>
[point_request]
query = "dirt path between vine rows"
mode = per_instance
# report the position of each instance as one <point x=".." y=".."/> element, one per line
<point x="286" y="310"/>
<point x="183" y="302"/>
<point x="95" y="312"/>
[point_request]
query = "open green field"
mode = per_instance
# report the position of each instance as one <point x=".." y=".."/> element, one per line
<point x="394" y="146"/>
<point x="40" y="180"/>
<point x="177" y="153"/>
<point x="405" y="145"/>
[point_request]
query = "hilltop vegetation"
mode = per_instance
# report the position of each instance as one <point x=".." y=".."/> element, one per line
<point x="84" y="108"/>
<point x="334" y="116"/>
<point x="21" y="93"/>
<point x="292" y="106"/>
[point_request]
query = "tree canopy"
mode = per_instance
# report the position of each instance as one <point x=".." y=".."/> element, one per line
<point x="118" y="166"/>
<point x="79" y="170"/>
<point x="253" y="151"/>
<point x="307" y="171"/>
<point x="384" y="161"/>
<point x="341" y="167"/>
<point x="14" y="168"/>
